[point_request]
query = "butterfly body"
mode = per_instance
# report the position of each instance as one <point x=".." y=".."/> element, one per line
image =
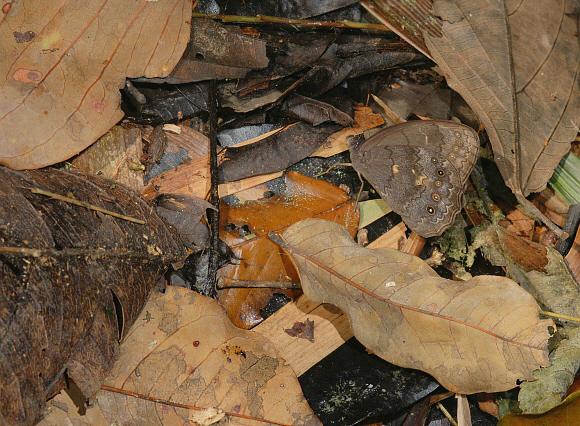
<point x="420" y="168"/>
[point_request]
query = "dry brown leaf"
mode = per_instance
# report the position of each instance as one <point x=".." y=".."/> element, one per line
<point x="480" y="335"/>
<point x="262" y="260"/>
<point x="184" y="350"/>
<point x="520" y="78"/>
<point x="60" y="89"/>
<point x="114" y="156"/>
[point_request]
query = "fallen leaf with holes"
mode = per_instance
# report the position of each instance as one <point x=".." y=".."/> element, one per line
<point x="480" y="335"/>
<point x="184" y="351"/>
<point x="73" y="281"/>
<point x="262" y="260"/>
<point x="61" y="84"/>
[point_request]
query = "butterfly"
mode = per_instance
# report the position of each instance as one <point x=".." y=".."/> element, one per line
<point x="420" y="169"/>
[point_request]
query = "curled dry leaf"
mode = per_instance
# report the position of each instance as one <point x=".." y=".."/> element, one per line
<point x="171" y="354"/>
<point x="60" y="88"/>
<point x="480" y="335"/>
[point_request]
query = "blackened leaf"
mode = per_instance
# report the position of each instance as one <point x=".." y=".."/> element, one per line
<point x="275" y="152"/>
<point x="66" y="302"/>
<point x="225" y="45"/>
<point x="176" y="103"/>
<point x="192" y="70"/>
<point x="313" y="111"/>
<point x="366" y="64"/>
<point x="284" y="9"/>
<point x="216" y="51"/>
<point x="185" y="213"/>
<point x="328" y="72"/>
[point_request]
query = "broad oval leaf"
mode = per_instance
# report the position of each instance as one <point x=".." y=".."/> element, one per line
<point x="480" y="335"/>
<point x="62" y="64"/>
<point x="183" y="350"/>
<point x="520" y="78"/>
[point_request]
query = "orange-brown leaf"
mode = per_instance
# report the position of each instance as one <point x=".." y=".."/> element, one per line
<point x="262" y="260"/>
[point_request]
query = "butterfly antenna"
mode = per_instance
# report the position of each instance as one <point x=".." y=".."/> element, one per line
<point x="332" y="167"/>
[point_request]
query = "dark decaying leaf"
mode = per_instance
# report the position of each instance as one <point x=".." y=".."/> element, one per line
<point x="284" y="9"/>
<point x="216" y="51"/>
<point x="225" y="45"/>
<point x="313" y="111"/>
<point x="65" y="304"/>
<point x="375" y="62"/>
<point x="171" y="104"/>
<point x="351" y="385"/>
<point x="185" y="213"/>
<point x="275" y="152"/>
<point x="289" y="52"/>
<point x="519" y="77"/>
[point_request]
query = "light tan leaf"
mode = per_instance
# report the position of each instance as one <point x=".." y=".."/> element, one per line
<point x="184" y="350"/>
<point x="480" y="335"/>
<point x="60" y="89"/>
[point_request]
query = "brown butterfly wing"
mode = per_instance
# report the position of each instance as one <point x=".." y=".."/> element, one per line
<point x="420" y="168"/>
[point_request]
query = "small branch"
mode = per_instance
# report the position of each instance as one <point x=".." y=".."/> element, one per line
<point x="209" y="288"/>
<point x="262" y="19"/>
<point x="446" y="413"/>
<point x="225" y="282"/>
<point x="84" y="204"/>
<point x="528" y="207"/>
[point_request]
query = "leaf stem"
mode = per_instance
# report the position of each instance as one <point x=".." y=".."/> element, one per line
<point x="178" y="405"/>
<point x="561" y="316"/>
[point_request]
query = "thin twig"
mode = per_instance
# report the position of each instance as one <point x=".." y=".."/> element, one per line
<point x="449" y="416"/>
<point x="262" y="19"/>
<point x="213" y="215"/>
<point x="226" y="282"/>
<point x="84" y="204"/>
